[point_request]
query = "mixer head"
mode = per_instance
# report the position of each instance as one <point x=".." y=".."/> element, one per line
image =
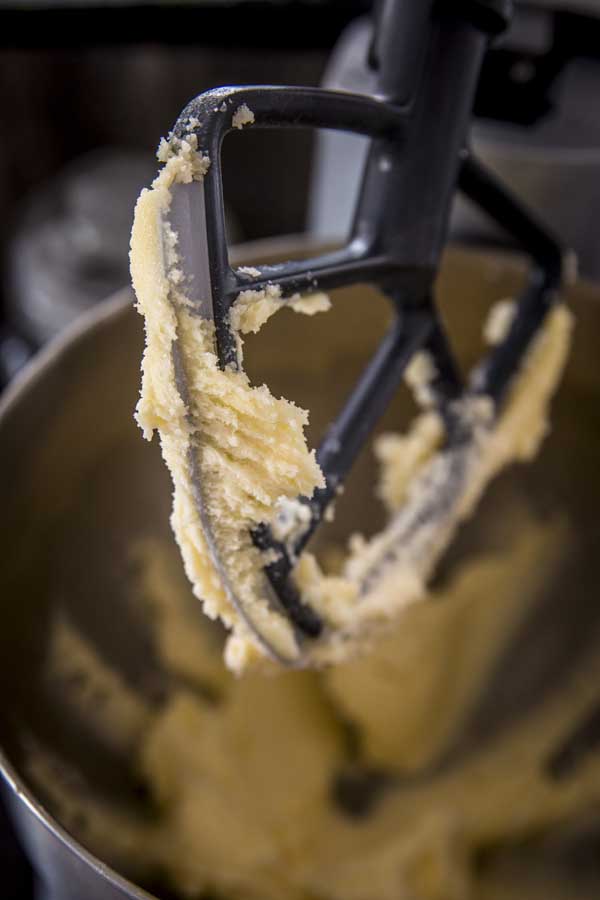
<point x="427" y="57"/>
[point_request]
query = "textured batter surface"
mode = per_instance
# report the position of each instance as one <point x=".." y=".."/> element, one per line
<point x="238" y="455"/>
<point x="248" y="445"/>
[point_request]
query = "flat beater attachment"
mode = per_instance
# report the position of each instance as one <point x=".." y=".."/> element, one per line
<point x="418" y="158"/>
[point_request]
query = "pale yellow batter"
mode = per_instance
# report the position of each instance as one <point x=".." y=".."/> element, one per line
<point x="238" y="456"/>
<point x="243" y="775"/>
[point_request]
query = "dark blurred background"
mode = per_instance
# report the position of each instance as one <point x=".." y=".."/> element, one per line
<point x="86" y="92"/>
<point x="88" y="88"/>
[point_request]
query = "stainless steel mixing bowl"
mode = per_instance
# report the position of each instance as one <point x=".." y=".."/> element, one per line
<point x="78" y="484"/>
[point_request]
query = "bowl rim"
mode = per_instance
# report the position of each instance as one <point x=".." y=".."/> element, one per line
<point x="27" y="378"/>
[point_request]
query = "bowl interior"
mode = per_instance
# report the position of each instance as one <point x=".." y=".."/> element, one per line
<point x="80" y="489"/>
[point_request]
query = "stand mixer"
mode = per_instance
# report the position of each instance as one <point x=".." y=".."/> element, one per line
<point x="93" y="489"/>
